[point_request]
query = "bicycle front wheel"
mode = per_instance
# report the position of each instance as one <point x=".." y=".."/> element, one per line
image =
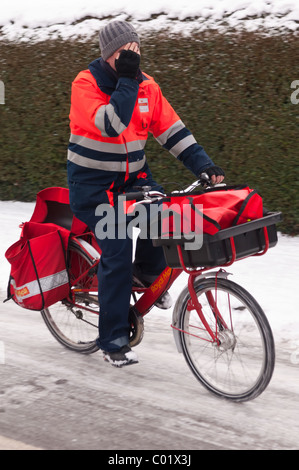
<point x="75" y="326"/>
<point x="239" y="364"/>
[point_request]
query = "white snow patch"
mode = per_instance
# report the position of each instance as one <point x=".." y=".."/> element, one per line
<point x="38" y="20"/>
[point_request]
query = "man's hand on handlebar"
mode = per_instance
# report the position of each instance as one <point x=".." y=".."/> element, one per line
<point x="146" y="194"/>
<point x="215" y="174"/>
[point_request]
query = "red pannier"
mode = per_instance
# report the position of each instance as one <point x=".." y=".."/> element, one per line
<point x="39" y="275"/>
<point x="211" y="211"/>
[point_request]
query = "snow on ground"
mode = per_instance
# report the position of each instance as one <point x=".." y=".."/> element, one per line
<point x="272" y="279"/>
<point x="42" y="19"/>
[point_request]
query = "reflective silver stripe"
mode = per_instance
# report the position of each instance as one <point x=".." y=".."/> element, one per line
<point x="105" y="166"/>
<point x="100" y="120"/>
<point x="107" y="147"/>
<point x="115" y="121"/>
<point x="47" y="283"/>
<point x="182" y="145"/>
<point x="135" y="145"/>
<point x="177" y="126"/>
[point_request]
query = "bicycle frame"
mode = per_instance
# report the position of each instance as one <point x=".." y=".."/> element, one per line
<point x="149" y="294"/>
<point x="162" y="283"/>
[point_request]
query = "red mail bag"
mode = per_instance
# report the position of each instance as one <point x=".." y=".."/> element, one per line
<point x="210" y="211"/>
<point x="39" y="276"/>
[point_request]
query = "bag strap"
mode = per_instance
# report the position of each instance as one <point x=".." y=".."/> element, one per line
<point x="204" y="216"/>
<point x="37" y="276"/>
<point x="9" y="294"/>
<point x="243" y="206"/>
<point x="66" y="254"/>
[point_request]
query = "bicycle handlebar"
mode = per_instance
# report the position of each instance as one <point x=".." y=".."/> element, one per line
<point x="147" y="194"/>
<point x="136" y="196"/>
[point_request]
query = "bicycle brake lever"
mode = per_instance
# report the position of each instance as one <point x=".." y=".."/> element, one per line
<point x="204" y="177"/>
<point x="206" y="181"/>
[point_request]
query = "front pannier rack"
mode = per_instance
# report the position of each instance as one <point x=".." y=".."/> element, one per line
<point x="225" y="247"/>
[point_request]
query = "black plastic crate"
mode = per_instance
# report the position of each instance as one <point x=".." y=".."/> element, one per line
<point x="217" y="250"/>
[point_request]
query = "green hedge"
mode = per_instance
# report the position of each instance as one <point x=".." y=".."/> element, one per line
<point x="232" y="91"/>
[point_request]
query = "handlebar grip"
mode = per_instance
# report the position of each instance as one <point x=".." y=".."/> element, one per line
<point x="137" y="196"/>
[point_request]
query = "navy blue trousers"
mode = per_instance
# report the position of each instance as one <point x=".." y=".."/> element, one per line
<point x="115" y="268"/>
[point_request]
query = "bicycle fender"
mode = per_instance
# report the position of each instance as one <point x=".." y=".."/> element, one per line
<point x="89" y="249"/>
<point x="183" y="298"/>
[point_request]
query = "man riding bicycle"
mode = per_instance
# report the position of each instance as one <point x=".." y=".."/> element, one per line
<point x="114" y="105"/>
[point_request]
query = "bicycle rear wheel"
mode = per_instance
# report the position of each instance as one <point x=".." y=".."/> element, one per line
<point x="75" y="326"/>
<point x="239" y="365"/>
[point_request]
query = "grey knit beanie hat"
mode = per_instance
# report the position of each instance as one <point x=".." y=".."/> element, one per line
<point x="114" y="35"/>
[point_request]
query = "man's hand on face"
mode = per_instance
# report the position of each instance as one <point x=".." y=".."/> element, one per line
<point x="127" y="60"/>
<point x="130" y="46"/>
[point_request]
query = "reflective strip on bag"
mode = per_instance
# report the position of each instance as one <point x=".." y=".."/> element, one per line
<point x="46" y="284"/>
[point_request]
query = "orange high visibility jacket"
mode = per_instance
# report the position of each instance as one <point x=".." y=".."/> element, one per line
<point x="110" y="120"/>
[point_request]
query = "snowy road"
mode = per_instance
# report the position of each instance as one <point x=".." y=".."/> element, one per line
<point x="51" y="398"/>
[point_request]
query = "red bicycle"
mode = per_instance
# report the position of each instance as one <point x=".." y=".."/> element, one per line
<point x="219" y="327"/>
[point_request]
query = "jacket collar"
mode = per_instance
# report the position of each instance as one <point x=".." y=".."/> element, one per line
<point x="106" y="77"/>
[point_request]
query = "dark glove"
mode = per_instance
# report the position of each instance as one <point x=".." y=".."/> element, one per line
<point x="127" y="64"/>
<point x="214" y="170"/>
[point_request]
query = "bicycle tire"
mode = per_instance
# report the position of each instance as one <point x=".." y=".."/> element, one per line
<point x="240" y="366"/>
<point x="74" y="328"/>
